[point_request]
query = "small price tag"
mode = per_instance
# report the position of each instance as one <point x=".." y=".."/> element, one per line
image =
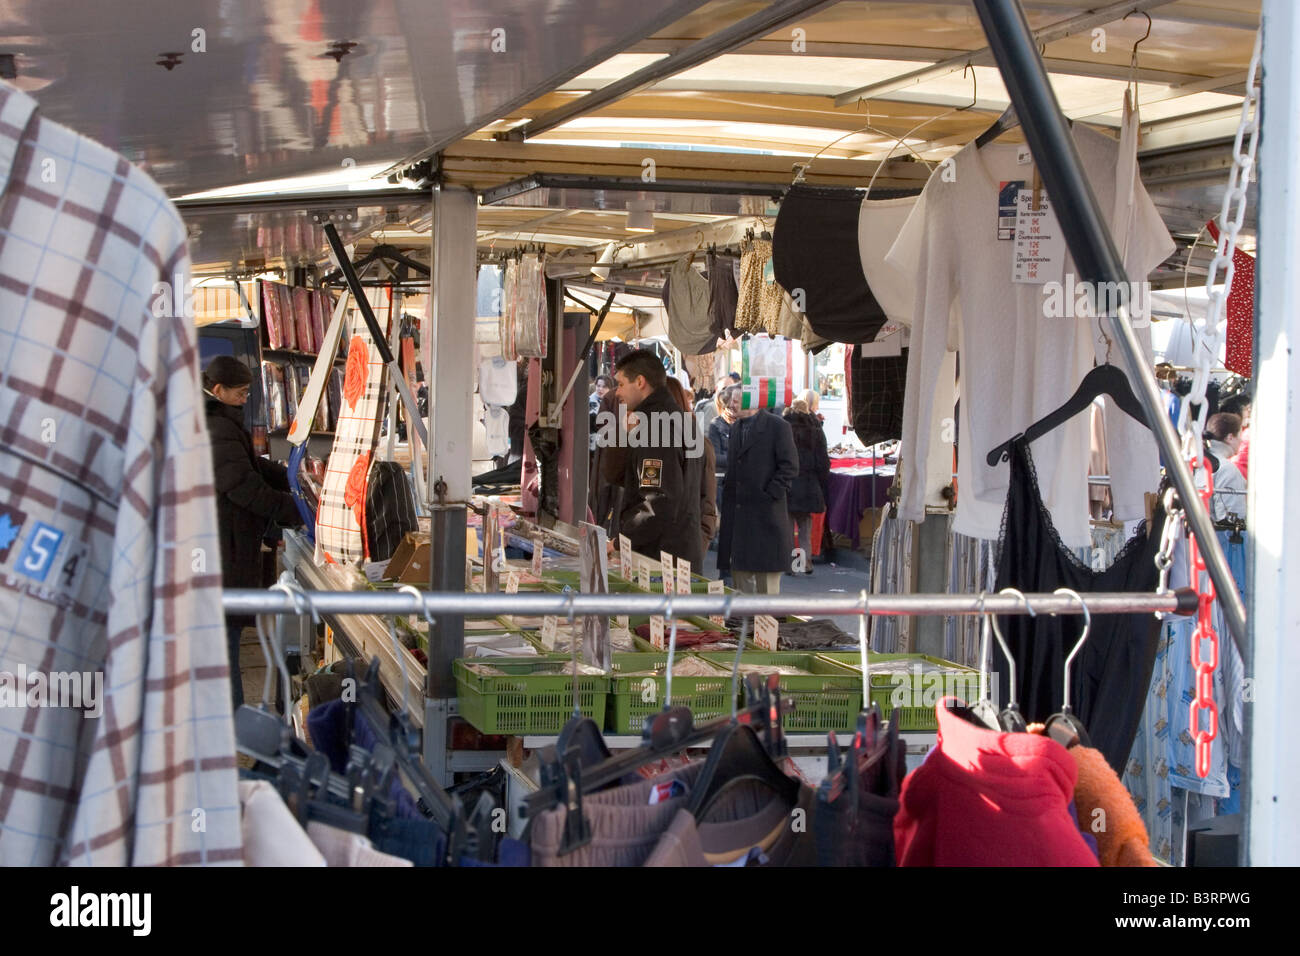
<point x="625" y="556"/>
<point x="765" y="631"/>
<point x="1040" y="245"/>
<point x="469" y="574"/>
<point x="537" y="555"/>
<point x="657" y="633"/>
<point x="1023" y="156"/>
<point x="549" y="625"/>
<point x="621" y="622"/>
<point x="643" y="575"/>
<point x="512" y="582"/>
<point x="683" y="577"/>
<point x="717" y="587"/>
<point x="666" y="571"/>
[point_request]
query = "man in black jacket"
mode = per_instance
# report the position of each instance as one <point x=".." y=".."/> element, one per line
<point x="762" y="462"/>
<point x="252" y="493"/>
<point x="663" y="454"/>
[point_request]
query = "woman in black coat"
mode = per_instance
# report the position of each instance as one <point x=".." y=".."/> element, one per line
<point x="252" y="493"/>
<point x="807" y="494"/>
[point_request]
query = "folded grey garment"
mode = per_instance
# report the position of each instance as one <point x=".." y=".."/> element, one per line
<point x="805" y="635"/>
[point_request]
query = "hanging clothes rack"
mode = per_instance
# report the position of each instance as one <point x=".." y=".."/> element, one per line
<point x="460" y="604"/>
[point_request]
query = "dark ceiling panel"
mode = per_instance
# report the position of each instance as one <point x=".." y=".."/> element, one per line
<point x="263" y="100"/>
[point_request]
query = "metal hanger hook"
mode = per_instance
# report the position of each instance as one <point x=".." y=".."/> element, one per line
<point x="1145" y="36"/>
<point x="974" y="87"/>
<point x="985" y="618"/>
<point x="672" y="647"/>
<point x="302" y="603"/>
<point x="573" y="595"/>
<point x="1078" y="646"/>
<point x="419" y="596"/>
<point x="1002" y="641"/>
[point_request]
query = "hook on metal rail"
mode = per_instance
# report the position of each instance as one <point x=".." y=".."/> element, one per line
<point x="974" y="87"/>
<point x="1006" y="650"/>
<point x="1078" y="645"/>
<point x="740" y="648"/>
<point x="303" y="605"/>
<point x="424" y="607"/>
<point x="672" y="647"/>
<point x="862" y="648"/>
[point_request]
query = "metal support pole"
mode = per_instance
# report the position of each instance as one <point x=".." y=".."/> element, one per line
<point x="476" y="604"/>
<point x="450" y="378"/>
<point x="1272" y="836"/>
<point x="1097" y="260"/>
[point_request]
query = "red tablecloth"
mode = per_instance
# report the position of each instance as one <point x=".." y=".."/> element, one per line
<point x="856" y="463"/>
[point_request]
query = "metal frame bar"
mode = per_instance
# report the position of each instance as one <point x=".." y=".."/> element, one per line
<point x="670" y="13"/>
<point x="462" y="604"/>
<point x="738" y="34"/>
<point x="526" y="184"/>
<point x="1015" y="48"/>
<point x="1053" y="31"/>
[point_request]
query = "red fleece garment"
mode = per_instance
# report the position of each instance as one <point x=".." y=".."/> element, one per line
<point x="984" y="798"/>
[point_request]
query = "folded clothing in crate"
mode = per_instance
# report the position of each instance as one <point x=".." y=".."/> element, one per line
<point x="689" y="636"/>
<point x="810" y="635"/>
<point x="682" y="667"/>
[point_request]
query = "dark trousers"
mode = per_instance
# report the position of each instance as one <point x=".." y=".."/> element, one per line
<point x="233" y="635"/>
<point x="803" y="522"/>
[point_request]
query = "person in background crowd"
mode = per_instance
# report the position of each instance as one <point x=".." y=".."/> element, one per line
<point x="813" y="401"/>
<point x="706" y="409"/>
<point x="252" y="493"/>
<point x="661" y="504"/>
<point x="1239" y="405"/>
<point x="755" y="542"/>
<point x="808" y="492"/>
<point x="599" y="389"/>
<point x="708" y="476"/>
<point x="1223" y="441"/>
<point x="735" y="377"/>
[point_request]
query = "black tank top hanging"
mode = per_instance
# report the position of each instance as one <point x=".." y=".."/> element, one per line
<point x="1113" y="670"/>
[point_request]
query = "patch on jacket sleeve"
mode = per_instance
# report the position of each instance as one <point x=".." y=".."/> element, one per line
<point x="652" y="473"/>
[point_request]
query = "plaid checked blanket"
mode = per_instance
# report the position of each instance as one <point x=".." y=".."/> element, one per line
<point x="116" y="740"/>
<point x="341" y="517"/>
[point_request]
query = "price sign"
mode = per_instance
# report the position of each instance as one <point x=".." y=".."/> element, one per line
<point x="537" y="555"/>
<point x="621" y="622"/>
<point x="550" y="624"/>
<point x="625" y="558"/>
<point x="512" y="582"/>
<point x="683" y="577"/>
<point x="643" y="575"/>
<point x="765" y="631"/>
<point x="666" y="571"/>
<point x="717" y="587"/>
<point x="1040" y="244"/>
<point x="657" y="632"/>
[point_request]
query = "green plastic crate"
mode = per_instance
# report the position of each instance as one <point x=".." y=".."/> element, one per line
<point x="528" y="700"/>
<point x="915" y="710"/>
<point x="827" y="699"/>
<point x="707" y="697"/>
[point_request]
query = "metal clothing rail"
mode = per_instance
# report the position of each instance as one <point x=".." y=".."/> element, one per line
<point x="1097" y="260"/>
<point x="573" y="604"/>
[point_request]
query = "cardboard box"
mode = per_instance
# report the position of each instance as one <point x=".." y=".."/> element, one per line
<point x="410" y="563"/>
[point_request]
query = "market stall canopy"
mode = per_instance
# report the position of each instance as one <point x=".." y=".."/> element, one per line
<point x="287" y="106"/>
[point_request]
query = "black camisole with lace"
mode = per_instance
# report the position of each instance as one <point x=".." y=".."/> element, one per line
<point x="1112" y="672"/>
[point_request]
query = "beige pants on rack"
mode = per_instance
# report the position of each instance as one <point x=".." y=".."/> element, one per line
<point x="757" y="582"/>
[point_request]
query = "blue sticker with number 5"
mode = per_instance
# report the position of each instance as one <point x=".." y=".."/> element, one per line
<point x="37" y="557"/>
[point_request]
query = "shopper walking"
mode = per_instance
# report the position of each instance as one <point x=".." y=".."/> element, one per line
<point x="252" y="493"/>
<point x="808" y="491"/>
<point x="661" y="505"/>
<point x="755" y="541"/>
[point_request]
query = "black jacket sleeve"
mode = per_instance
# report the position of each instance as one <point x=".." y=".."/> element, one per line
<point x="823" y="462"/>
<point x="657" y="483"/>
<point x="787" y="460"/>
<point x="276" y="474"/>
<point x="719" y="440"/>
<point x="244" y="484"/>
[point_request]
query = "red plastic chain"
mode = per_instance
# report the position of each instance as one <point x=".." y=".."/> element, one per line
<point x="1205" y="595"/>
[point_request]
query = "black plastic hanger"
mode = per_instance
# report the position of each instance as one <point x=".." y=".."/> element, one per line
<point x="1008" y="120"/>
<point x="738" y="756"/>
<point x="1102" y="380"/>
<point x="1065" y="727"/>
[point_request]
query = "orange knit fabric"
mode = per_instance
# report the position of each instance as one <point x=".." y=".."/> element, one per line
<point x="1123" y="840"/>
